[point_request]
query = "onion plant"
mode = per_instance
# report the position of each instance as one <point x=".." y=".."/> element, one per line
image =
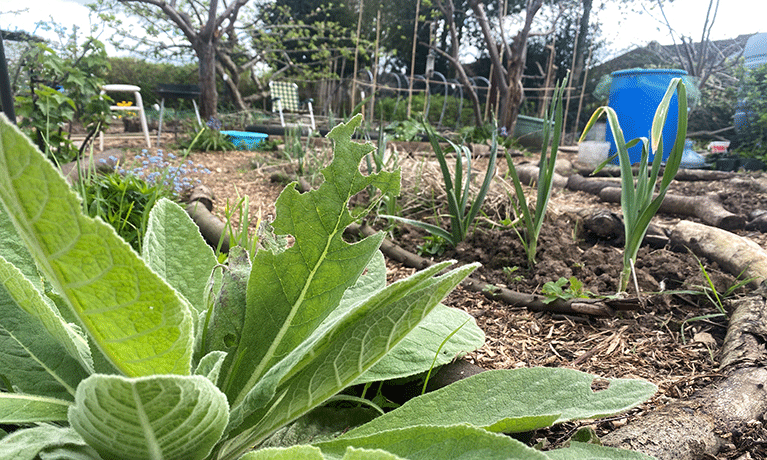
<point x="637" y="200"/>
<point x="463" y="209"/>
<point x="533" y="220"/>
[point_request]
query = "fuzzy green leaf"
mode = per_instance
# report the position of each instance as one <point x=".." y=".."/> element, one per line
<point x="33" y="443"/>
<point x="161" y="417"/>
<point x="291" y="293"/>
<point x="584" y="451"/>
<point x="175" y="249"/>
<point x="510" y="401"/>
<point x="224" y="325"/>
<point x="429" y="442"/>
<point x="285" y="453"/>
<point x="137" y="321"/>
<point x="39" y="352"/>
<point x="18" y="408"/>
<point x="324" y="365"/>
<point x="12" y="249"/>
<point x="416" y="352"/>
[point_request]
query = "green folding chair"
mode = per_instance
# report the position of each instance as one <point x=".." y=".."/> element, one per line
<point x="285" y="98"/>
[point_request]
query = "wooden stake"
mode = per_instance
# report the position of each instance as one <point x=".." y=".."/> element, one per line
<point x="356" y="53"/>
<point x="569" y="86"/>
<point x="412" y="59"/>
<point x="375" y="67"/>
<point x="583" y="91"/>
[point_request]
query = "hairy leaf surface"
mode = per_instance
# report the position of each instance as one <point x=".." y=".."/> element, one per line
<point x="136" y="320"/>
<point x="17" y="408"/>
<point x="292" y="292"/>
<point x="38" y="351"/>
<point x="32" y="443"/>
<point x="322" y="367"/>
<point x="511" y="401"/>
<point x="161" y="417"/>
<point x="428" y="442"/>
<point x="175" y="249"/>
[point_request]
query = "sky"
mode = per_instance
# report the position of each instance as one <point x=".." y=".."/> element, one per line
<point x="624" y="31"/>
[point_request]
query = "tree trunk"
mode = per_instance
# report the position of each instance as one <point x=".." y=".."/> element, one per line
<point x="580" y="57"/>
<point x="232" y="81"/>
<point x="206" y="53"/>
<point x="448" y="9"/>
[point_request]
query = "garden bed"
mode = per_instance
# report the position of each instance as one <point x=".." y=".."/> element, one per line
<point x="653" y="342"/>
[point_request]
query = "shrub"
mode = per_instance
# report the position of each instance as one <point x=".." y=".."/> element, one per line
<point x="751" y="138"/>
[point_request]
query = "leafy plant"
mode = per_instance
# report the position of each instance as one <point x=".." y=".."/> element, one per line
<point x="533" y="221"/>
<point x="462" y="207"/>
<point x="381" y="160"/>
<point x="637" y="200"/>
<point x="405" y="130"/>
<point x="512" y="275"/>
<point x="122" y="201"/>
<point x="164" y="356"/>
<point x="554" y="290"/>
<point x="713" y="295"/>
<point x="751" y="135"/>
<point x="305" y="320"/>
<point x="209" y="139"/>
<point x="60" y="89"/>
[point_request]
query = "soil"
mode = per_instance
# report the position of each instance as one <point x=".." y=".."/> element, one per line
<point x="663" y="342"/>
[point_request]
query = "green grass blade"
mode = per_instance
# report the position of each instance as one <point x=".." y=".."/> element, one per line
<point x="489" y="174"/>
<point x="432" y="229"/>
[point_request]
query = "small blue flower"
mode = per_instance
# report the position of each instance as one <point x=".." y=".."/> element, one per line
<point x="103" y="161"/>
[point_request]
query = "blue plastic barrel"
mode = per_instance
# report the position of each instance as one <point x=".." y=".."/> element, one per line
<point x="635" y="95"/>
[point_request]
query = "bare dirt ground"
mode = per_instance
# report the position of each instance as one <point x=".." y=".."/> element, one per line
<point x="659" y="342"/>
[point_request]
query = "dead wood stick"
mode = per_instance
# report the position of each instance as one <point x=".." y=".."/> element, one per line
<point x="592" y="307"/>
<point x="691" y="429"/>
<point x="746" y="334"/>
<point x="681" y="175"/>
<point x="593" y="186"/>
<point x="739" y="256"/>
<point x="528" y="175"/>
<point x="708" y="208"/>
<point x="211" y="227"/>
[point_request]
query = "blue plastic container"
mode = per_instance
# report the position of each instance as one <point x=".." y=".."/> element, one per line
<point x="635" y="95"/>
<point x="245" y="140"/>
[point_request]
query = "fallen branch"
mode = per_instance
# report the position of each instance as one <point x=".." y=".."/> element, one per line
<point x="593" y="186"/>
<point x="739" y="256"/>
<point x="211" y="227"/>
<point x="694" y="428"/>
<point x="681" y="175"/>
<point x="528" y="175"/>
<point x="101" y="162"/>
<point x="707" y="208"/>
